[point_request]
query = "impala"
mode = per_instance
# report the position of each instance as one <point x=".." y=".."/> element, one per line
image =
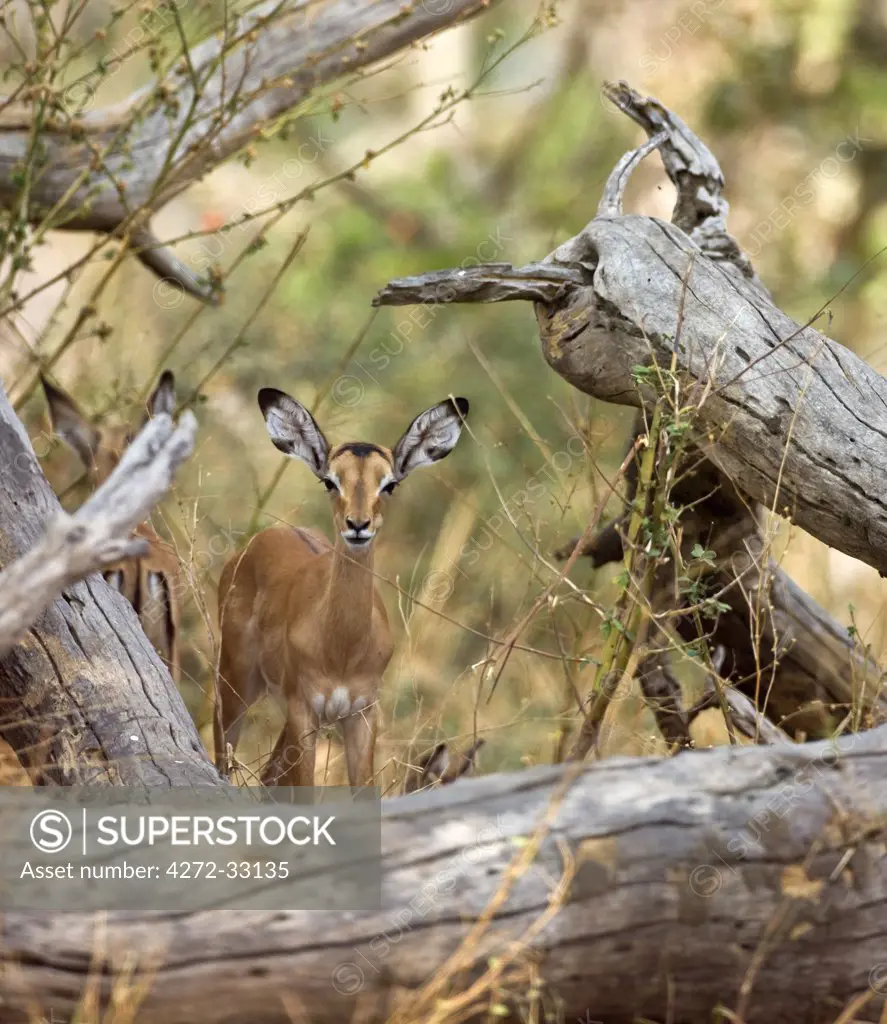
<point x="442" y="765"/>
<point x="306" y="616"/>
<point x="151" y="584"/>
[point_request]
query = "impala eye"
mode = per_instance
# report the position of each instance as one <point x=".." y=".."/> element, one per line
<point x="330" y="485"/>
<point x="388" y="488"/>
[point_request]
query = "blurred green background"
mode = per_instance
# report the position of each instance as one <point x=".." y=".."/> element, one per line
<point x="792" y="99"/>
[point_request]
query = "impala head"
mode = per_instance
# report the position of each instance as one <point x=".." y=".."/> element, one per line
<point x="100" y="448"/>
<point x="360" y="476"/>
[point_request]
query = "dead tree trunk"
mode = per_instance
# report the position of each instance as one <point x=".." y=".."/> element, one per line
<point x="252" y="70"/>
<point x="787" y="417"/>
<point x="84" y="696"/>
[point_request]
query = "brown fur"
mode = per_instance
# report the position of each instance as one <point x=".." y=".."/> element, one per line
<point x="292" y="616"/>
<point x="306" y="616"/>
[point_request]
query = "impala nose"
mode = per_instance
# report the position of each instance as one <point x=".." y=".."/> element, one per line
<point x="358" y="532"/>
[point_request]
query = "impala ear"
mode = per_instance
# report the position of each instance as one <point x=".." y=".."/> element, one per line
<point x="163" y="397"/>
<point x="470" y="762"/>
<point x="430" y="437"/>
<point x="293" y="429"/>
<point x="435" y="764"/>
<point x="69" y="423"/>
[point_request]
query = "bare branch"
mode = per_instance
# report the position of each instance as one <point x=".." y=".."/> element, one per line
<point x="146" y="149"/>
<point x="662" y="691"/>
<point x="743" y="714"/>
<point x="491" y="282"/>
<point x="164" y="263"/>
<point x="614" y="189"/>
<point x="701" y="210"/>
<point x="98" y="534"/>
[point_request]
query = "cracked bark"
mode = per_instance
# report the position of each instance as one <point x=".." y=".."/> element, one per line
<point x="99" y="533"/>
<point x="788" y="404"/>
<point x="750" y="878"/>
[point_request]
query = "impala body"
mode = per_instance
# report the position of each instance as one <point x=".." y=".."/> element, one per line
<point x="152" y="583"/>
<point x="303" y="615"/>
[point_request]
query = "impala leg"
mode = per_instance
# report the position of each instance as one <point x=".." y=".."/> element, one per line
<point x="237" y="691"/>
<point x="359" y="736"/>
<point x="274" y="767"/>
<point x="292" y="761"/>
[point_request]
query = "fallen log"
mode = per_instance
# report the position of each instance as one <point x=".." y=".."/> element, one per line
<point x="752" y="878"/>
<point x="749" y="880"/>
<point x="793" y="418"/>
<point x="162" y="138"/>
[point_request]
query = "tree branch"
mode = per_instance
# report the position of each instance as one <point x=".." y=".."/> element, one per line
<point x="790" y="416"/>
<point x="744" y="716"/>
<point x="145" y="150"/>
<point x="701" y="209"/>
<point x="662" y="692"/>
<point x="490" y="282"/>
<point x="614" y="188"/>
<point x="98" y="534"/>
<point x="168" y="267"/>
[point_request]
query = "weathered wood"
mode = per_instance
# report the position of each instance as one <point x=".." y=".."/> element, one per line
<point x="693" y="874"/>
<point x="662" y="692"/>
<point x="742" y="714"/>
<point x="780" y="648"/>
<point x="700" y="209"/>
<point x="796" y="419"/>
<point x="264" y="64"/>
<point x="786" y="416"/>
<point x="751" y="878"/>
<point x="791" y="417"/>
<point x="799" y="666"/>
<point x="84" y="696"/>
<point x="747" y="720"/>
<point x="490" y="282"/>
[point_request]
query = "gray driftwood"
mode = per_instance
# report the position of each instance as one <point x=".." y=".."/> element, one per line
<point x="662" y="692"/>
<point x="787" y="417"/>
<point x="261" y="66"/>
<point x="698" y="878"/>
<point x="798" y="421"/>
<point x="83" y="695"/>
